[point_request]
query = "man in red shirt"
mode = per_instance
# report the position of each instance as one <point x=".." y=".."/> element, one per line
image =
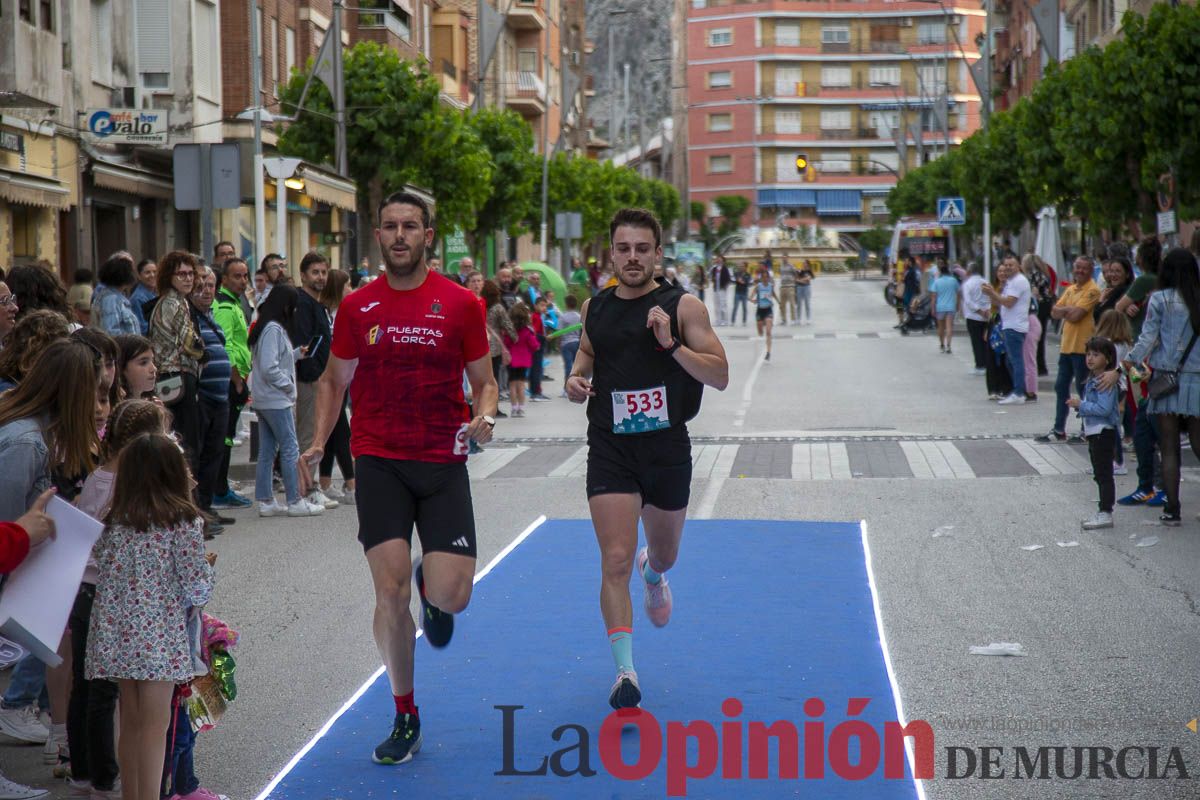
<point x="401" y="345"/>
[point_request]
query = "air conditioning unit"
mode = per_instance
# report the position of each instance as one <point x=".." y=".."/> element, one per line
<point x="125" y="97"/>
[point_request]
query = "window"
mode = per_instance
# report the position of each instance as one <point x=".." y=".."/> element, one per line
<point x="787" y="34"/>
<point x="835" y="34"/>
<point x="718" y="123"/>
<point x="878" y="207"/>
<point x="931" y="32"/>
<point x="720" y="164"/>
<point x="722" y="79"/>
<point x="289" y="51"/>
<point x="835" y="77"/>
<point x="835" y="120"/>
<point x="25" y="10"/>
<point x="788" y="81"/>
<point x="208" y="55"/>
<point x="699" y="3"/>
<point x="884" y="76"/>
<point x="787" y="121"/>
<point x="427" y="32"/>
<point x="273" y="54"/>
<point x="46" y="17"/>
<point x="932" y="78"/>
<point x="884" y="161"/>
<point x="153" y="32"/>
<point x="835" y="162"/>
<point x="884" y="122"/>
<point x="785" y="167"/>
<point x="24" y="231"/>
<point x="719" y="37"/>
<point x="102" y="51"/>
<point x="527" y="60"/>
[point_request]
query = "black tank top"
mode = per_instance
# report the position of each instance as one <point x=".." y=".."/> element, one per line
<point x="628" y="358"/>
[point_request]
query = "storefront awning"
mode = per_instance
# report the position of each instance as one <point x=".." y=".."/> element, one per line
<point x="326" y="188"/>
<point x="132" y="180"/>
<point x="33" y="190"/>
<point x="839" y="202"/>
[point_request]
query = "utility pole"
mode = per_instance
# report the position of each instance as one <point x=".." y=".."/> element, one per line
<point x="625" y="114"/>
<point x="546" y="147"/>
<point x="260" y="200"/>
<point x="946" y="83"/>
<point x="987" y="115"/>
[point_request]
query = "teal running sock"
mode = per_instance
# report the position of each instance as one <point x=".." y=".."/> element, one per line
<point x="650" y="575"/>
<point x="621" y="642"/>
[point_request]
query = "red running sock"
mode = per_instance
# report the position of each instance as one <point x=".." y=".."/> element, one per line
<point x="405" y="705"/>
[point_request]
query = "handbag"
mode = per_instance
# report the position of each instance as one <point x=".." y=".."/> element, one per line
<point x="1165" y="382"/>
<point x="169" y="388"/>
<point x="996" y="339"/>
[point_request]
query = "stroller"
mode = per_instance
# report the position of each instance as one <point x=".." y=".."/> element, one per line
<point x="919" y="317"/>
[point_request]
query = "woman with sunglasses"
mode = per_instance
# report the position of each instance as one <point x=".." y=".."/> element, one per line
<point x="178" y="347"/>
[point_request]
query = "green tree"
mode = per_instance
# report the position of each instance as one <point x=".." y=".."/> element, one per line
<point x="917" y="192"/>
<point x="731" y="208"/>
<point x="515" y="197"/>
<point x="397" y="132"/>
<point x="700" y="216"/>
<point x="876" y="239"/>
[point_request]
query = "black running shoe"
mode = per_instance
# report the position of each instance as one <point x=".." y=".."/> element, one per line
<point x="1171" y="519"/>
<point x="625" y="692"/>
<point x="403" y="744"/>
<point x="437" y="624"/>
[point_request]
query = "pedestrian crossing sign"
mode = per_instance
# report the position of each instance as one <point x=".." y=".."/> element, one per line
<point x="952" y="211"/>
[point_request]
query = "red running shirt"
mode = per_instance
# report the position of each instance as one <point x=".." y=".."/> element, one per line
<point x="412" y="347"/>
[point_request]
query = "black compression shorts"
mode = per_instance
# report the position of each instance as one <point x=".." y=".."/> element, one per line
<point x="764" y="313"/>
<point x="393" y="495"/>
<point x="657" y="466"/>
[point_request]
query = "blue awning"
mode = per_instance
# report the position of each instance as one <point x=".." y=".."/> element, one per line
<point x="786" y="198"/>
<point x="840" y="202"/>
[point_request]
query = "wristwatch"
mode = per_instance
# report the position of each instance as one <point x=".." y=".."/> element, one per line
<point x="491" y="421"/>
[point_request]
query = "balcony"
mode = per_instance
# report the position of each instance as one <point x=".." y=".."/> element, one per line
<point x="527" y="15"/>
<point x="526" y="93"/>
<point x="30" y="64"/>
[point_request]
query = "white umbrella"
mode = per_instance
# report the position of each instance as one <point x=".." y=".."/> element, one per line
<point x="1049" y="241"/>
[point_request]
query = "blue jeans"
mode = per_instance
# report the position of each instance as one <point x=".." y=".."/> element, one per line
<point x="1145" y="444"/>
<point x="277" y="434"/>
<point x="739" y="301"/>
<point x="1014" y="354"/>
<point x="28" y="685"/>
<point x="569" y="350"/>
<point x="1071" y="366"/>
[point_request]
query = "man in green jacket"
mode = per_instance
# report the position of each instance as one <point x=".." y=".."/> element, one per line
<point x="227" y="311"/>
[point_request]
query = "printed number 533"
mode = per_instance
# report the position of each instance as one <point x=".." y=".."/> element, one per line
<point x="644" y="401"/>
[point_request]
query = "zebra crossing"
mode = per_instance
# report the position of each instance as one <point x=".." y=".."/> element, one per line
<point x="852" y="459"/>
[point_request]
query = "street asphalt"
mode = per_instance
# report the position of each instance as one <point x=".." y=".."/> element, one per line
<point x="1110" y="629"/>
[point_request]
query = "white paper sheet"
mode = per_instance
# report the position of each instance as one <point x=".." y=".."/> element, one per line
<point x="38" y="595"/>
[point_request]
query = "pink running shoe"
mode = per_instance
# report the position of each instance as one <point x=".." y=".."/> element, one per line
<point x="202" y="794"/>
<point x="658" y="595"/>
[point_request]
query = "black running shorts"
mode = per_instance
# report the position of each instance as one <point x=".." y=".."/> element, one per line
<point x="658" y="466"/>
<point x="392" y="495"/>
<point x="764" y="313"/>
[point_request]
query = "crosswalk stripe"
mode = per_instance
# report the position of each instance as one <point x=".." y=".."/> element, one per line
<point x="802" y="462"/>
<point x="916" y="460"/>
<point x="954" y="459"/>
<point x="724" y="463"/>
<point x="1059" y="457"/>
<point x="571" y="465"/>
<point x="703" y="458"/>
<point x="937" y="461"/>
<point x="839" y="461"/>
<point x="1034" y="457"/>
<point x="489" y="461"/>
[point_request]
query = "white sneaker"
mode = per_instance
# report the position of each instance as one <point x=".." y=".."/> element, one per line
<point x="56" y="749"/>
<point x="303" y="508"/>
<point x="23" y="725"/>
<point x="272" y="509"/>
<point x="15" y="791"/>
<point x="1120" y="469"/>
<point x="319" y="498"/>
<point x="1012" y="400"/>
<point x="1102" y="519"/>
<point x="334" y="493"/>
<point x="348" y="497"/>
<point x="107" y="794"/>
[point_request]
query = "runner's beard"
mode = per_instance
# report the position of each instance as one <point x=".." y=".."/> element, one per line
<point x="402" y="269"/>
<point x="622" y="278"/>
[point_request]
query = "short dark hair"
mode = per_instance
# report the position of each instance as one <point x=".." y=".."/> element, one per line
<point x="636" y="218"/>
<point x="221" y="244"/>
<point x="572" y="302"/>
<point x="268" y="258"/>
<point x="1101" y="345"/>
<point x="310" y="258"/>
<point x="117" y="271"/>
<point x="141" y="265"/>
<point x="407" y="199"/>
<point x="1149" y="254"/>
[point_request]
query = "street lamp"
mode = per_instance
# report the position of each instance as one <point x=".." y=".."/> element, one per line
<point x="282" y="169"/>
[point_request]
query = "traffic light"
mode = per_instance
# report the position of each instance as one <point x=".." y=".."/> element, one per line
<point x="801" y="163"/>
<point x="338" y="237"/>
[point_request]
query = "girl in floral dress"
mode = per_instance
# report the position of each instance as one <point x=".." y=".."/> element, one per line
<point x="152" y="567"/>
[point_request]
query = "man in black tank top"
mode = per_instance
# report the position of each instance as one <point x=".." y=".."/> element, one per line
<point x="645" y="354"/>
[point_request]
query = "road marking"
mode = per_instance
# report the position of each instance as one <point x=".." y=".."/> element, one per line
<point x="802" y="462"/>
<point x="1033" y="457"/>
<point x="283" y="773"/>
<point x="916" y="460"/>
<point x="954" y="459"/>
<point x="490" y="461"/>
<point x="722" y="466"/>
<point x="571" y="465"/>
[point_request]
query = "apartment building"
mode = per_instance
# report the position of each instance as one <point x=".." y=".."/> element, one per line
<point x="863" y="90"/>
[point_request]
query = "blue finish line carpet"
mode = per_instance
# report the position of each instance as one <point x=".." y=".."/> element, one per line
<point x="771" y="614"/>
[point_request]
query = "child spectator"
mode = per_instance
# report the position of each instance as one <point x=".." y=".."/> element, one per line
<point x="138" y="372"/>
<point x="152" y="567"/>
<point x="522" y="349"/>
<point x="1098" y="410"/>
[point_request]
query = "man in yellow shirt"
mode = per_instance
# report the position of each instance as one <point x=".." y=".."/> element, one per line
<point x="1074" y="308"/>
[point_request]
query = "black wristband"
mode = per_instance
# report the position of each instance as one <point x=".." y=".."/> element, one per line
<point x="671" y="348"/>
